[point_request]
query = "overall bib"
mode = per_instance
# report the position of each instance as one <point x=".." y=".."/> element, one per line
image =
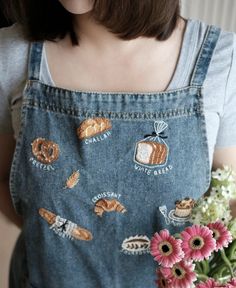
<point x="96" y="174"/>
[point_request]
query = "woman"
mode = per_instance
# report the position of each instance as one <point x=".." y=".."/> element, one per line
<point x="122" y="106"/>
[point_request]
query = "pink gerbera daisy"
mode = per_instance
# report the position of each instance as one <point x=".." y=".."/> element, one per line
<point x="232" y="282"/>
<point x="197" y="242"/>
<point x="210" y="283"/>
<point x="221" y="234"/>
<point x="181" y="275"/>
<point x="165" y="249"/>
<point x="161" y="281"/>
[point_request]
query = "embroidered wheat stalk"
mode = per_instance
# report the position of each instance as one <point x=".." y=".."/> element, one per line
<point x="73" y="180"/>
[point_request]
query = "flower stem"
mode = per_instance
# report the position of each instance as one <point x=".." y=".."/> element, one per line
<point x="227" y="262"/>
<point x="205" y="265"/>
<point x="232" y="249"/>
<point x="216" y="270"/>
<point x="202" y="276"/>
<point x="219" y="267"/>
<point x="215" y="258"/>
<point x="199" y="268"/>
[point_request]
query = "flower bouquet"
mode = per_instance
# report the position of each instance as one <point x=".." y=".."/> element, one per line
<point x="202" y="255"/>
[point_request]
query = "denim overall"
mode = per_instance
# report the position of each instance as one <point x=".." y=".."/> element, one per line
<point x="96" y="174"/>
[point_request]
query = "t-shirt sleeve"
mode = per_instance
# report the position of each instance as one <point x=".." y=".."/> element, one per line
<point x="227" y="130"/>
<point x="13" y="63"/>
<point x="5" y="113"/>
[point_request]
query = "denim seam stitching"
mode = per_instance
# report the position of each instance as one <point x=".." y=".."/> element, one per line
<point x="121" y="115"/>
<point x="105" y="93"/>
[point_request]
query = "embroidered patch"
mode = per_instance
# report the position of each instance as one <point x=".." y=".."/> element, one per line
<point x="45" y="152"/>
<point x="73" y="180"/>
<point x="94" y="130"/>
<point x="64" y="227"/>
<point x="136" y="245"/>
<point x="108" y="205"/>
<point x="153" y="151"/>
<point x="181" y="214"/>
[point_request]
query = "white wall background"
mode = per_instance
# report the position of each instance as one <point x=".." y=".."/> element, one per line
<point x="218" y="12"/>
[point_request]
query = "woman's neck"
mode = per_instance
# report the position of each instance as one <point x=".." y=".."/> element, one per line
<point x="97" y="37"/>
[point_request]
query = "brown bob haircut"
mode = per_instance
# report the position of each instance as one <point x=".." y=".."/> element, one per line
<point x="128" y="19"/>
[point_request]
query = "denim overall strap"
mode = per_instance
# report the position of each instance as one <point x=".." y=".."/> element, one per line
<point x="35" y="57"/>
<point x="205" y="55"/>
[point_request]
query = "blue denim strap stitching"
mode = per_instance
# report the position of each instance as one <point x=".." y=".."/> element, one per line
<point x="205" y="55"/>
<point x="35" y="57"/>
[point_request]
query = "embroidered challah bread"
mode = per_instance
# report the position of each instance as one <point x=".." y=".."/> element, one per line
<point x="92" y="127"/>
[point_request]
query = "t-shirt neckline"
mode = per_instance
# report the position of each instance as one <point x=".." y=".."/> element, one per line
<point x="176" y="79"/>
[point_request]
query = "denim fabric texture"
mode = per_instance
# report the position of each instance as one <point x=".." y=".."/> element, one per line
<point x="96" y="174"/>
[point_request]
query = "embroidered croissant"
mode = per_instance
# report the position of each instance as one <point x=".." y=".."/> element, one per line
<point x="103" y="205"/>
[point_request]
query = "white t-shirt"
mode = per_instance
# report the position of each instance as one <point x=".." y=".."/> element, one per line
<point x="219" y="93"/>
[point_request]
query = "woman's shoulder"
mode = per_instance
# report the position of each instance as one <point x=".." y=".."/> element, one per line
<point x="12" y="37"/>
<point x="199" y="27"/>
<point x="220" y="86"/>
<point x="14" y="51"/>
<point x="13" y="44"/>
<point x="223" y="54"/>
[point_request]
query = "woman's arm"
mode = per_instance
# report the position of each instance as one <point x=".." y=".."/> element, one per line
<point x="226" y="156"/>
<point x="7" y="146"/>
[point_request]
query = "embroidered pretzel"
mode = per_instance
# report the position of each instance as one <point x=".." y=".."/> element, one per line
<point x="45" y="151"/>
